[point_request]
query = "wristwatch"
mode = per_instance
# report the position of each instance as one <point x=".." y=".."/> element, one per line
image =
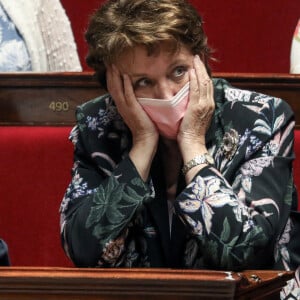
<point x="198" y="160"/>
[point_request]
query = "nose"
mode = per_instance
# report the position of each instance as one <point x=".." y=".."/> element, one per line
<point x="165" y="90"/>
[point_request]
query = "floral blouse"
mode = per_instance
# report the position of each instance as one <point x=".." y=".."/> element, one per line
<point x="238" y="214"/>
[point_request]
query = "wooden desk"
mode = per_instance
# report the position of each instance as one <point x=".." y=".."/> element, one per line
<point x="24" y="283"/>
<point x="51" y="98"/>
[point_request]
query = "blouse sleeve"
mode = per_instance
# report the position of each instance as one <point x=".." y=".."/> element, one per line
<point x="236" y="210"/>
<point x="103" y="196"/>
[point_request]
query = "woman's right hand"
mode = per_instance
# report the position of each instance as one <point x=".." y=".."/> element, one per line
<point x="144" y="133"/>
<point x="140" y="125"/>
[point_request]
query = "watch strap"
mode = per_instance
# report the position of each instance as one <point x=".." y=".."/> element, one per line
<point x="196" y="161"/>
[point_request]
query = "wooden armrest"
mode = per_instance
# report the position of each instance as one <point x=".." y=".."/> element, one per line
<point x="72" y="283"/>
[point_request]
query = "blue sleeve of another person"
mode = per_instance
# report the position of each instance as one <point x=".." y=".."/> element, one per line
<point x="4" y="258"/>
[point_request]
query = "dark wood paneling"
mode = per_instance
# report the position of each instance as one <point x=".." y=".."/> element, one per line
<point x="24" y="283"/>
<point x="51" y="98"/>
<point x="44" y="99"/>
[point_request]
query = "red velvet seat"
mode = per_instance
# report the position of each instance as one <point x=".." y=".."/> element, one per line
<point x="35" y="170"/>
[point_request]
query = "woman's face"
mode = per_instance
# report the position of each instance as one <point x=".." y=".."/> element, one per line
<point x="160" y="75"/>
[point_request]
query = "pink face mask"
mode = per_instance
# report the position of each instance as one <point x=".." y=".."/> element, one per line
<point x="167" y="114"/>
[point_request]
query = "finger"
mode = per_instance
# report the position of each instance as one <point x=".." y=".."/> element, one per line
<point x="200" y="70"/>
<point x="115" y="85"/>
<point x="210" y="90"/>
<point x="194" y="87"/>
<point x="203" y="79"/>
<point x="128" y="91"/>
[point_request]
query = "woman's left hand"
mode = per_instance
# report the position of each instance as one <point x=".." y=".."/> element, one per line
<point x="200" y="109"/>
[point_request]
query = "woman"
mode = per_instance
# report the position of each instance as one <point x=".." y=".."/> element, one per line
<point x="173" y="168"/>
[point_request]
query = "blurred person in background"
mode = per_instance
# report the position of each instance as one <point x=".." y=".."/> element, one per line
<point x="4" y="257"/>
<point x="36" y="35"/>
<point x="295" y="51"/>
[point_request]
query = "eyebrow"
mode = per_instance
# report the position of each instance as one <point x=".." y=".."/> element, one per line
<point x="179" y="61"/>
<point x="137" y="75"/>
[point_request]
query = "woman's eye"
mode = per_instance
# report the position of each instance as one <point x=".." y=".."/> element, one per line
<point x="143" y="82"/>
<point x="179" y="71"/>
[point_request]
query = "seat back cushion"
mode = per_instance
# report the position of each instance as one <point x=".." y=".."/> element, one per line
<point x="35" y="171"/>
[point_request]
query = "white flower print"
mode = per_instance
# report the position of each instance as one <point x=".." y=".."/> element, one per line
<point x="190" y="206"/>
<point x="255" y="166"/>
<point x="64" y="207"/>
<point x="108" y="159"/>
<point x="265" y="99"/>
<point x="266" y="128"/>
<point x="92" y="122"/>
<point x="285" y="237"/>
<point x="248" y="224"/>
<point x="245" y="136"/>
<point x="292" y="290"/>
<point x="213" y="185"/>
<point x="198" y="188"/>
<point x="271" y="148"/>
<point x="109" y="113"/>
<point x="240" y="211"/>
<point x="265" y="201"/>
<point x="247" y="183"/>
<point x="237" y="95"/>
<point x="197" y="226"/>
<point x="78" y="187"/>
<point x="104" y="116"/>
<point x="73" y="137"/>
<point x="254" y="145"/>
<point x="207" y="194"/>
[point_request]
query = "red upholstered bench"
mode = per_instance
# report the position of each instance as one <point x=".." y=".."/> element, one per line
<point x="35" y="171"/>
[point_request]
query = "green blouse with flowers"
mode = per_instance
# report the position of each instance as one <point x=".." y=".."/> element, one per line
<point x="238" y="214"/>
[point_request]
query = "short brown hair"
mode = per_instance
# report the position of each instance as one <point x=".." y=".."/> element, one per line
<point x="121" y="24"/>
